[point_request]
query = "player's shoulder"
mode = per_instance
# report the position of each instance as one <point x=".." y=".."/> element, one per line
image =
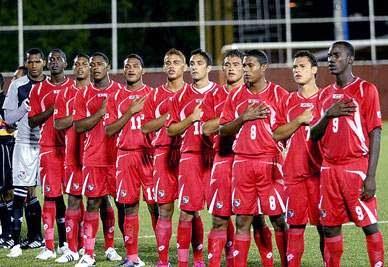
<point x="237" y="92"/>
<point x="325" y="92"/>
<point x="366" y="87"/>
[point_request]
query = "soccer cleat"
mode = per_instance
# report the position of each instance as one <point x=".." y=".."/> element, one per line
<point x="63" y="249"/>
<point x="199" y="264"/>
<point x="127" y="263"/>
<point x="15" y="252"/>
<point x="81" y="251"/>
<point x="46" y="254"/>
<point x="24" y="243"/>
<point x="8" y="243"/>
<point x="2" y="241"/>
<point x="68" y="256"/>
<point x="86" y="261"/>
<point x="112" y="255"/>
<point x="140" y="263"/>
<point x="38" y="243"/>
<point x="159" y="264"/>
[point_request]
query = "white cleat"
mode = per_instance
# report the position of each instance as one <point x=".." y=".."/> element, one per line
<point x="63" y="249"/>
<point x="112" y="255"/>
<point x="81" y="251"/>
<point x="68" y="256"/>
<point x="140" y="263"/>
<point x="15" y="252"/>
<point x="46" y="254"/>
<point x="86" y="261"/>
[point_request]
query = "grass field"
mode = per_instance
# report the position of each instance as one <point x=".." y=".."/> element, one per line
<point x="354" y="252"/>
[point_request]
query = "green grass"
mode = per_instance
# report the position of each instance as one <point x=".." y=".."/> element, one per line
<point x="354" y="248"/>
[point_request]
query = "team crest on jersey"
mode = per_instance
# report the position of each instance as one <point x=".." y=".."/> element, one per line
<point x="185" y="199"/>
<point x="219" y="205"/>
<point x="161" y="193"/>
<point x="290" y="213"/>
<point x="90" y="187"/>
<point x="306" y="105"/>
<point x="253" y="101"/>
<point x="323" y="213"/>
<point x="132" y="97"/>
<point x="123" y="193"/>
<point x="236" y="203"/>
<point x="338" y="96"/>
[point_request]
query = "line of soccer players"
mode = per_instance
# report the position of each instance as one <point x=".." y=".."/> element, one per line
<point x="248" y="148"/>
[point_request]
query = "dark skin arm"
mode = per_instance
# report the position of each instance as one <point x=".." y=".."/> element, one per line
<point x="369" y="189"/>
<point x="338" y="109"/>
<point x="40" y="118"/>
<point x="211" y="126"/>
<point x="135" y="107"/>
<point x="154" y="125"/>
<point x="88" y="123"/>
<point x="63" y="123"/>
<point x="253" y="112"/>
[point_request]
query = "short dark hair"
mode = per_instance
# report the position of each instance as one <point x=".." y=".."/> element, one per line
<point x="100" y="54"/>
<point x="309" y="55"/>
<point x="136" y="56"/>
<point x="348" y="47"/>
<point x="1" y="81"/>
<point x="58" y="50"/>
<point x="234" y="53"/>
<point x="204" y="54"/>
<point x="81" y="55"/>
<point x="34" y="51"/>
<point x="260" y="55"/>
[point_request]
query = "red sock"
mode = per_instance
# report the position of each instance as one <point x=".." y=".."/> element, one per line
<point x="197" y="239"/>
<point x="163" y="236"/>
<point x="216" y="244"/>
<point x="48" y="217"/>
<point x="131" y="236"/>
<point x="72" y="221"/>
<point x="281" y="243"/>
<point x="183" y="240"/>
<point x="81" y="226"/>
<point x="375" y="246"/>
<point x="91" y="221"/>
<point x="229" y="247"/>
<point x="242" y="243"/>
<point x="263" y="240"/>
<point x="154" y="221"/>
<point x="295" y="246"/>
<point x="334" y="246"/>
<point x="108" y="224"/>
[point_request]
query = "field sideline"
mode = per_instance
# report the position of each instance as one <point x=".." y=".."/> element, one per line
<point x="354" y="248"/>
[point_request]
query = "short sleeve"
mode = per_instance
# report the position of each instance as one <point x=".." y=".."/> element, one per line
<point x="208" y="107"/>
<point x="227" y="114"/>
<point x="280" y="117"/>
<point x="79" y="111"/>
<point x="35" y="101"/>
<point x="11" y="99"/>
<point x="111" y="110"/>
<point x="371" y="108"/>
<point x="149" y="107"/>
<point x="60" y="105"/>
<point x="173" y="116"/>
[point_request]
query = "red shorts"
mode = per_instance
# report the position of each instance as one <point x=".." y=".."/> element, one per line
<point x="165" y="178"/>
<point x="52" y="171"/>
<point x="134" y="171"/>
<point x="192" y="181"/>
<point x="99" y="181"/>
<point x="253" y="187"/>
<point x="302" y="201"/>
<point x="73" y="180"/>
<point x="341" y="187"/>
<point x="220" y="188"/>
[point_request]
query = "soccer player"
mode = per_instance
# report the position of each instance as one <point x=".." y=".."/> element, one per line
<point x="349" y="132"/>
<point x="166" y="154"/>
<point x="194" y="166"/>
<point x="73" y="152"/>
<point x="134" y="157"/>
<point x="51" y="145"/>
<point x="249" y="111"/>
<point x="303" y="159"/>
<point x="7" y="142"/>
<point x="99" y="153"/>
<point x="25" y="159"/>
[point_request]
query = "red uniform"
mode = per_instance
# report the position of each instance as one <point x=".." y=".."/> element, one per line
<point x="220" y="188"/>
<point x="64" y="105"/>
<point x="134" y="157"/>
<point x="195" y="150"/>
<point x="256" y="153"/>
<point x="51" y="142"/>
<point x="165" y="174"/>
<point x="302" y="162"/>
<point x="100" y="151"/>
<point x="345" y="149"/>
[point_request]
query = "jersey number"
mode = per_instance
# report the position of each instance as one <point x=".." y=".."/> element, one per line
<point x="136" y="123"/>
<point x="253" y="132"/>
<point x="335" y="125"/>
<point x="197" y="128"/>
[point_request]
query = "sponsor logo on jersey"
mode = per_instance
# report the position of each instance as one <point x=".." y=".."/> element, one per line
<point x="306" y="105"/>
<point x="133" y="97"/>
<point x="236" y="203"/>
<point x="219" y="205"/>
<point x="338" y="96"/>
<point x="253" y="101"/>
<point x="102" y="95"/>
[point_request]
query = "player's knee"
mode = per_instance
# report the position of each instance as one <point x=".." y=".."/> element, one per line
<point x="220" y="222"/>
<point x="74" y="202"/>
<point x="186" y="215"/>
<point x="258" y="222"/>
<point x="279" y="223"/>
<point x="243" y="223"/>
<point x="331" y="231"/>
<point x="166" y="210"/>
<point x="131" y="209"/>
<point x="370" y="229"/>
<point x="93" y="204"/>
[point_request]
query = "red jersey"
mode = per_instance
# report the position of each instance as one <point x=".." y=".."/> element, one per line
<point x="130" y="136"/>
<point x="42" y="97"/>
<point x="346" y="138"/>
<point x="254" y="137"/>
<point x="156" y="105"/>
<point x="64" y="105"/>
<point x="303" y="158"/>
<point x="99" y="149"/>
<point x="212" y="107"/>
<point x="182" y="105"/>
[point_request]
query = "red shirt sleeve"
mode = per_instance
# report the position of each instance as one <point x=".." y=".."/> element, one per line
<point x="149" y="107"/>
<point x="173" y="116"/>
<point x="208" y="107"/>
<point x="280" y="117"/>
<point x="35" y="101"/>
<point x="227" y="114"/>
<point x="372" y="111"/>
<point x="111" y="110"/>
<point x="60" y="108"/>
<point x="79" y="111"/>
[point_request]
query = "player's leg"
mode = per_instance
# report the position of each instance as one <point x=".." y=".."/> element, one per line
<point x="108" y="222"/>
<point x="164" y="232"/>
<point x="242" y="239"/>
<point x="131" y="232"/>
<point x="374" y="244"/>
<point x="280" y="227"/>
<point x="263" y="239"/>
<point x="33" y="212"/>
<point x="217" y="239"/>
<point x="184" y="237"/>
<point x="333" y="245"/>
<point x="6" y="208"/>
<point x="61" y="228"/>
